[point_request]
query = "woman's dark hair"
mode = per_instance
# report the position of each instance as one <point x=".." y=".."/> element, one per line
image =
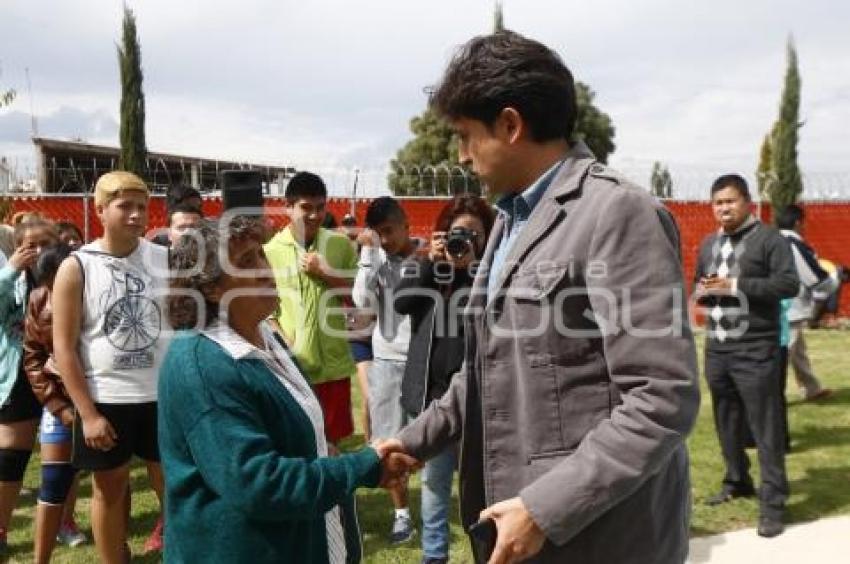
<point x="466" y="204"/>
<point x="735" y="181"/>
<point x="195" y="261"/>
<point x="48" y="262"/>
<point x="506" y="70"/>
<point x="34" y="222"/>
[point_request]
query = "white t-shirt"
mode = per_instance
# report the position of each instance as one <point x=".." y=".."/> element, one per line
<point x="124" y="333"/>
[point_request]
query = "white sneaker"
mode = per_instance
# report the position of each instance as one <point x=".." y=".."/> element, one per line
<point x="403" y="530"/>
<point x="69" y="534"/>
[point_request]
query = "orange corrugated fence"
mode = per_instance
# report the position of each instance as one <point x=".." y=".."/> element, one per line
<point x="826" y="222"/>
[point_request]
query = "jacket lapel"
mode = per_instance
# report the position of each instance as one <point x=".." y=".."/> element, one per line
<point x="478" y="297"/>
<point x="549" y="212"/>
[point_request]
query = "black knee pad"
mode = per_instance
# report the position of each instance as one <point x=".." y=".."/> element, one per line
<point x="56" y="480"/>
<point x="13" y="464"/>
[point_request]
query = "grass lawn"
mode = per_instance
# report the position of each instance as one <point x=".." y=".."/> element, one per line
<point x="818" y="470"/>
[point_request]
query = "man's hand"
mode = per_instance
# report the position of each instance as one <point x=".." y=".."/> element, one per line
<point x="368" y="238"/>
<point x="312" y="264"/>
<point x="98" y="433"/>
<point x="23" y="258"/>
<point x="716" y="286"/>
<point x="396" y="464"/>
<point x="519" y="537"/>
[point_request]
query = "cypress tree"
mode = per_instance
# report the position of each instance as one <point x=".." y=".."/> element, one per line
<point x="498" y="18"/>
<point x="788" y="184"/>
<point x="132" y="131"/>
<point x="764" y="172"/>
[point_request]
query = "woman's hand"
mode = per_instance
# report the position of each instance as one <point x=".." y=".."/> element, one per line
<point x="437" y="252"/>
<point x="66" y="416"/>
<point x="396" y="465"/>
<point x="98" y="433"/>
<point x="23" y="258"/>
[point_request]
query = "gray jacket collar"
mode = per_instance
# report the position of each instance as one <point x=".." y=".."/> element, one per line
<point x="567" y="181"/>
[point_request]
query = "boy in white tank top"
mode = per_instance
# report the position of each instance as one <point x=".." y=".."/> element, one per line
<point x="108" y="347"/>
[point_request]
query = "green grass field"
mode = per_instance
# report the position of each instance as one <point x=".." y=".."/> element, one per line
<point x="818" y="470"/>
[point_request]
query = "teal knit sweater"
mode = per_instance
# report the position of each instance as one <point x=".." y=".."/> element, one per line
<point x="242" y="479"/>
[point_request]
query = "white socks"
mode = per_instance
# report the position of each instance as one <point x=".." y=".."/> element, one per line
<point x="403" y="512"/>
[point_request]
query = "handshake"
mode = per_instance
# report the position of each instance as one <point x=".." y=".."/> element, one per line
<point x="396" y="464"/>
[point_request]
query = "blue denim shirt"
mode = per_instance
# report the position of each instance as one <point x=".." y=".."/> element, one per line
<point x="516" y="208"/>
<point x="13" y="295"/>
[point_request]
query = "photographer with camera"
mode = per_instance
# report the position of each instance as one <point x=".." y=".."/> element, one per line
<point x="430" y="293"/>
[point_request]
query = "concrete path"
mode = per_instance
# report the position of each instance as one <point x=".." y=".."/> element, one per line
<point x="825" y="541"/>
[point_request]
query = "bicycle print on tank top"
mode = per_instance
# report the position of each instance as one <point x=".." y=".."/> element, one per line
<point x="132" y="322"/>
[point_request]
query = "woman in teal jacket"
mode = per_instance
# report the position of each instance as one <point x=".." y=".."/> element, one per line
<point x="19" y="410"/>
<point x="247" y="472"/>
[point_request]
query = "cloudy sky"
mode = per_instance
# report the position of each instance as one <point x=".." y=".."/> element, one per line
<point x="331" y="85"/>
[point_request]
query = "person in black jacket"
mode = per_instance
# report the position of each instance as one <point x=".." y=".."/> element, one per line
<point x="743" y="272"/>
<point x="433" y="291"/>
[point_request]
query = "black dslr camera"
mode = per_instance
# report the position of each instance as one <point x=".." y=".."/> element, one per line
<point x="459" y="241"/>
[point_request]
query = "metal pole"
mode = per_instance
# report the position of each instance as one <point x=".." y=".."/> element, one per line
<point x="86" y="228"/>
<point x="353" y="206"/>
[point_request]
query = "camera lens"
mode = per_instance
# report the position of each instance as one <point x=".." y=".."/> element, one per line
<point x="458" y="242"/>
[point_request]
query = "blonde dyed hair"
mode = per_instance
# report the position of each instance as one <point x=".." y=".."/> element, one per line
<point x="112" y="184"/>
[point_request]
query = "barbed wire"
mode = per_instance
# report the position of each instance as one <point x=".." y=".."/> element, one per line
<point x="690" y="183"/>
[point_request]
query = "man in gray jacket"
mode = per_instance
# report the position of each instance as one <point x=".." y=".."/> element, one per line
<point x="579" y="381"/>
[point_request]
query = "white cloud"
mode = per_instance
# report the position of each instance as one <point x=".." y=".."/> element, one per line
<point x="333" y="83"/>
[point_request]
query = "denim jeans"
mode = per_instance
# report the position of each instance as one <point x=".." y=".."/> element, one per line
<point x="436" y="503"/>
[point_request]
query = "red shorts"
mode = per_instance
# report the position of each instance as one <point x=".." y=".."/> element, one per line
<point x="335" y="399"/>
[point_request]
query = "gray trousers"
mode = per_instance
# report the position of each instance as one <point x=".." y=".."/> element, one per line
<point x="798" y="358"/>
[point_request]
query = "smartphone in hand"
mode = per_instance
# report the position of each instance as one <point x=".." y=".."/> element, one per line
<point x="483" y="536"/>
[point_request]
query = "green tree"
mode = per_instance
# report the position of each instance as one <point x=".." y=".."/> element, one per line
<point x="427" y="164"/>
<point x="787" y="185"/>
<point x="764" y="173"/>
<point x="498" y="18"/>
<point x="6" y="96"/>
<point x="132" y="130"/>
<point x="660" y="181"/>
<point x="593" y="126"/>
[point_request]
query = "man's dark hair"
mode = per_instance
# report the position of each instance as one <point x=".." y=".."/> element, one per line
<point x="184" y="207"/>
<point x="735" y="181"/>
<point x="788" y="216"/>
<point x="63" y="226"/>
<point x="506" y="70"/>
<point x="305" y="185"/>
<point x="179" y="193"/>
<point x="384" y="209"/>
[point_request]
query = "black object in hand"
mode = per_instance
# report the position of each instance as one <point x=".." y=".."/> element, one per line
<point x="483" y="536"/>
<point x="459" y="241"/>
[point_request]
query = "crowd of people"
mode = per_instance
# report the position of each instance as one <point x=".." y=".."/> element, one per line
<point x="535" y="346"/>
